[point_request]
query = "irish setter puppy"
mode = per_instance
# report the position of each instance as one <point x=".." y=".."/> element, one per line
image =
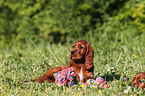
<point x="139" y="80"/>
<point x="81" y="59"/>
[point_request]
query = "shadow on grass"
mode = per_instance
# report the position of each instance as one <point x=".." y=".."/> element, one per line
<point x="110" y="76"/>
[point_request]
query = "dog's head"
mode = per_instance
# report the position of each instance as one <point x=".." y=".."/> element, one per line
<point x="82" y="52"/>
<point x="78" y="51"/>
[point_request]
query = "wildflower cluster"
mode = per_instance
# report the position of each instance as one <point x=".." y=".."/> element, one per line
<point x="112" y="69"/>
<point x="134" y="55"/>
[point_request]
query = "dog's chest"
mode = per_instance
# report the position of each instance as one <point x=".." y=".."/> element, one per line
<point x="81" y="74"/>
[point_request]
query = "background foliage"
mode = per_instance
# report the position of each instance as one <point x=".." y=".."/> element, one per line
<point x="66" y="20"/>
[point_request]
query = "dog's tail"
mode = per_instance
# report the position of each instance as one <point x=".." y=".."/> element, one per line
<point x="33" y="80"/>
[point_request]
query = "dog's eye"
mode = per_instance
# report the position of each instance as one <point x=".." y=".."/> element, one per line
<point x="81" y="47"/>
<point x="139" y="81"/>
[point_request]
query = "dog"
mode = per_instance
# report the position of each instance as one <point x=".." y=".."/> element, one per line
<point x="139" y="80"/>
<point x="81" y="59"/>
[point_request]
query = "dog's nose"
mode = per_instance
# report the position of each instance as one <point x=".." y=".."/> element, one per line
<point x="73" y="51"/>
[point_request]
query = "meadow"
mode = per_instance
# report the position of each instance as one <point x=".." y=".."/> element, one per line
<point x="117" y="63"/>
<point x="36" y="35"/>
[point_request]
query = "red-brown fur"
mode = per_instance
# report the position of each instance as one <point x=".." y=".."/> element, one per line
<point x="86" y="74"/>
<point x="81" y="56"/>
<point x="137" y="80"/>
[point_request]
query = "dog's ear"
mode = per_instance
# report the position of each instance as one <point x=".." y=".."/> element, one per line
<point x="89" y="57"/>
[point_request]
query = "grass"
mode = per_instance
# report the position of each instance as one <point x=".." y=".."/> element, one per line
<point x="28" y="62"/>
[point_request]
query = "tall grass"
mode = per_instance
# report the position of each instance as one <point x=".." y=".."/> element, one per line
<point x="28" y="62"/>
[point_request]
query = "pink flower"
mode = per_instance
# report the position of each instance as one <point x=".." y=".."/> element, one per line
<point x="125" y="79"/>
<point x="119" y="93"/>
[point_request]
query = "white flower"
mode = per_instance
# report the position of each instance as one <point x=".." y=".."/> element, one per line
<point x="111" y="67"/>
<point x="108" y="69"/>
<point x="113" y="71"/>
<point x="126" y="91"/>
<point x="129" y="87"/>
